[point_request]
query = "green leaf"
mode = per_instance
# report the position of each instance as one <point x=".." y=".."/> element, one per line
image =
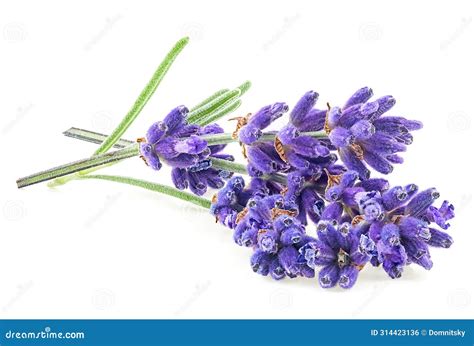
<point x="143" y="97"/>
<point x="100" y="160"/>
<point x="209" y="99"/>
<point x="244" y="87"/>
<point x="220" y="113"/>
<point x="208" y="108"/>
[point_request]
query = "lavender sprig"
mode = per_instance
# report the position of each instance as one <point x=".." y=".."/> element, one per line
<point x="296" y="179"/>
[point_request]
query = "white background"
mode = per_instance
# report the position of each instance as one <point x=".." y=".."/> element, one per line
<point x="95" y="249"/>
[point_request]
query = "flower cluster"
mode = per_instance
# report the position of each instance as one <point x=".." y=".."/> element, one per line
<point x="179" y="145"/>
<point x="310" y="205"/>
<point x="361" y="222"/>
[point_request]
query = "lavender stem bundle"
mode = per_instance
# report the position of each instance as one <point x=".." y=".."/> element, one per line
<point x="310" y="206"/>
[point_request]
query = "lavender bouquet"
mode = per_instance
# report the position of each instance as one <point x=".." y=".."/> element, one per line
<point x="309" y="200"/>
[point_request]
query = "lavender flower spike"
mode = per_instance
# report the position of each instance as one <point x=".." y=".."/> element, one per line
<point x="364" y="135"/>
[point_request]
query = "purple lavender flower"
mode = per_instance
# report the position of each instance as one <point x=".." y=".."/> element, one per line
<point x="359" y="219"/>
<point x="340" y="250"/>
<point x="252" y="131"/>
<point x="202" y="175"/>
<point x="174" y="142"/>
<point x="399" y="220"/>
<point x="291" y="150"/>
<point x="178" y="144"/>
<point x="303" y="152"/>
<point x="261" y="221"/>
<point x="362" y="133"/>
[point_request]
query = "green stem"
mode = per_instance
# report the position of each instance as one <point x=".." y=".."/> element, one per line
<point x="242" y="169"/>
<point x="167" y="190"/>
<point x="130" y="149"/>
<point x="144" y="97"/>
<point x="98" y="160"/>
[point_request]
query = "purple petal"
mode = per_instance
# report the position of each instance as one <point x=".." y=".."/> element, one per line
<point x="152" y="160"/>
<point x="394" y="197"/>
<point x="385" y="103"/>
<point x="377" y="162"/>
<point x="348" y="276"/>
<point x="329" y="276"/>
<point x="260" y="262"/>
<point x="260" y="160"/>
<point x="276" y="269"/>
<point x="314" y="121"/>
<point x="341" y="137"/>
<point x="332" y="212"/>
<point x="374" y="184"/>
<point x="197" y="184"/>
<point x="175" y="119"/>
<point x="420" y="203"/>
<point x="360" y="96"/>
<point x="288" y="256"/>
<point x="191" y="145"/>
<point x="349" y="158"/>
<point x="302" y="107"/>
<point x="417" y="252"/>
<point x="156" y="132"/>
<point x="179" y="178"/>
<point x="440" y="239"/>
